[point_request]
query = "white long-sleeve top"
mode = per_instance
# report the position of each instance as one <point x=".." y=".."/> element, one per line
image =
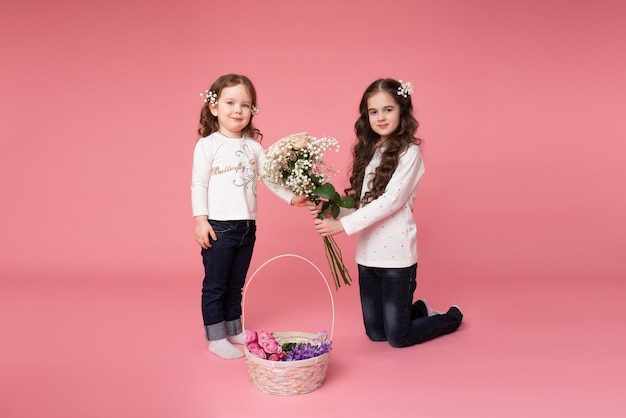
<point x="387" y="230"/>
<point x="224" y="178"/>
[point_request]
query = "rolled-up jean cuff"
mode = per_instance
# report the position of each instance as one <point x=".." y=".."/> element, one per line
<point x="215" y="331"/>
<point x="233" y="327"/>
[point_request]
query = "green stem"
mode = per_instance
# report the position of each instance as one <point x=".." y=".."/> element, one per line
<point x="335" y="261"/>
<point x="345" y="274"/>
<point x="331" y="263"/>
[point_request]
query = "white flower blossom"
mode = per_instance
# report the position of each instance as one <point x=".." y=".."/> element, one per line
<point x="405" y="89"/>
<point x="209" y="97"/>
<point x="297" y="162"/>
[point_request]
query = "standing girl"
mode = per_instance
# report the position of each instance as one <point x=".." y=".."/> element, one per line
<point x="223" y="195"/>
<point x="385" y="172"/>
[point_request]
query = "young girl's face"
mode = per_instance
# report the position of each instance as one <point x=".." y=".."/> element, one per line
<point x="384" y="114"/>
<point x="233" y="110"/>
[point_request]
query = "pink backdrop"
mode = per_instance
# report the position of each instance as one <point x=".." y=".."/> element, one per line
<point x="519" y="108"/>
<point x="520" y="105"/>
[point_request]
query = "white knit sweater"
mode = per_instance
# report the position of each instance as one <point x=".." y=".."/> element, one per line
<point x="224" y="178"/>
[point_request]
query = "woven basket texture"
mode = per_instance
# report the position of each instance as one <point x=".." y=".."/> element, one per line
<point x="288" y="377"/>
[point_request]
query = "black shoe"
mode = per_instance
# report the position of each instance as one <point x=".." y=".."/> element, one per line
<point x="419" y="310"/>
<point x="456" y="313"/>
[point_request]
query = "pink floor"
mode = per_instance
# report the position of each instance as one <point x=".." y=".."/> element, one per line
<point x="133" y="347"/>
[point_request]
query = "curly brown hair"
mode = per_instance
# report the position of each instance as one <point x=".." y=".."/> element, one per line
<point x="209" y="123"/>
<point x="367" y="141"/>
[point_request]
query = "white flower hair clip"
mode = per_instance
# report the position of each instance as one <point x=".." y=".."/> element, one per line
<point x="209" y="97"/>
<point x="405" y="89"/>
<point x="254" y="110"/>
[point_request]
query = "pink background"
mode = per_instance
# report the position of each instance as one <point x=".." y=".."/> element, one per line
<point x="520" y="108"/>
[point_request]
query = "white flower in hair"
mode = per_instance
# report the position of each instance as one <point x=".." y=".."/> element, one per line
<point x="209" y="97"/>
<point x="255" y="110"/>
<point x="405" y="89"/>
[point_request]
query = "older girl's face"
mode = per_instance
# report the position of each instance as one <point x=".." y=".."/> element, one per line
<point x="384" y="114"/>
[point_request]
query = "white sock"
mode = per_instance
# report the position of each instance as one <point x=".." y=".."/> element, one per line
<point x="225" y="349"/>
<point x="236" y="339"/>
<point x="431" y="311"/>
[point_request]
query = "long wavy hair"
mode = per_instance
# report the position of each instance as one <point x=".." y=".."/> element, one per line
<point x="209" y="123"/>
<point x="368" y="140"/>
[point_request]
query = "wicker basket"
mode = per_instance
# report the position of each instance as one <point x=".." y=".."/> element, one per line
<point x="288" y="377"/>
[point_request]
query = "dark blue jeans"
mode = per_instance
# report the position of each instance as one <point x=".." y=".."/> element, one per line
<point x="386" y="301"/>
<point x="226" y="264"/>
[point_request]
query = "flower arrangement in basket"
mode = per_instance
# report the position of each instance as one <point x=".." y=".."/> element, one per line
<point x="264" y="345"/>
<point x="287" y="363"/>
<point x="297" y="163"/>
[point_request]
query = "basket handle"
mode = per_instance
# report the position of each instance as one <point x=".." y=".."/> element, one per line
<point x="330" y="293"/>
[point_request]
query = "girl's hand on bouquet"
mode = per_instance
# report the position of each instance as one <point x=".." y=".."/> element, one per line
<point x="300" y="201"/>
<point x="315" y="209"/>
<point x="328" y="226"/>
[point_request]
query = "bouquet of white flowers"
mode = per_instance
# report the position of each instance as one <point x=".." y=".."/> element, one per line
<point x="296" y="162"/>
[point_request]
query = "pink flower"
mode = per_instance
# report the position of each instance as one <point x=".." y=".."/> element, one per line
<point x="255" y="349"/>
<point x="271" y="346"/>
<point x="263" y="337"/>
<point x="274" y="357"/>
<point x="249" y="336"/>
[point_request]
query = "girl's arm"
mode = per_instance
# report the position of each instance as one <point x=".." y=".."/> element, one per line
<point x="200" y="175"/>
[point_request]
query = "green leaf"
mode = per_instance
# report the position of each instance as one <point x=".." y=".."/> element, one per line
<point x="346" y="202"/>
<point x="325" y="191"/>
<point x="334" y="211"/>
<point x="288" y="347"/>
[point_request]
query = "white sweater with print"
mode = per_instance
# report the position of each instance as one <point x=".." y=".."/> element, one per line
<point x="224" y="178"/>
<point x="386" y="226"/>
